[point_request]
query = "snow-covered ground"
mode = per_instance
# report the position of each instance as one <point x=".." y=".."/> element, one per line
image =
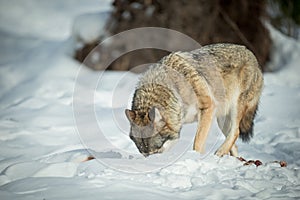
<point x="41" y="148"/>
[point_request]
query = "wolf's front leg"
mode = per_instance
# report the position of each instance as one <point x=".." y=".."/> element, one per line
<point x="204" y="123"/>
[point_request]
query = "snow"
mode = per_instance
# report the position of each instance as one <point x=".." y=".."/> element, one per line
<point x="42" y="150"/>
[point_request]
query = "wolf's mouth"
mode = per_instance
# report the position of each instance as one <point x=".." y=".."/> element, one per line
<point x="166" y="146"/>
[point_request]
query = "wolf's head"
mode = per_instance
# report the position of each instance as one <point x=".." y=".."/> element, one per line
<point x="150" y="132"/>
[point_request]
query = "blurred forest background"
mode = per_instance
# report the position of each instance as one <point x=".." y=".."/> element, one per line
<point x="206" y="21"/>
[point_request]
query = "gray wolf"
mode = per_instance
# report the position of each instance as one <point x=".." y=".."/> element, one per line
<point x="219" y="79"/>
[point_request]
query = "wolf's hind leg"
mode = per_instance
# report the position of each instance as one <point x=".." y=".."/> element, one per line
<point x="224" y="123"/>
<point x="241" y="119"/>
<point x="233" y="133"/>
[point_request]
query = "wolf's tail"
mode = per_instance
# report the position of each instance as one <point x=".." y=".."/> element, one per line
<point x="246" y="124"/>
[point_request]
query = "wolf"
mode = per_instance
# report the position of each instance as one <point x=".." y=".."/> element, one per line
<point x="222" y="80"/>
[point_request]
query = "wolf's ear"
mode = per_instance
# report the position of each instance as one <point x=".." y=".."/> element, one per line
<point x="155" y="116"/>
<point x="130" y="115"/>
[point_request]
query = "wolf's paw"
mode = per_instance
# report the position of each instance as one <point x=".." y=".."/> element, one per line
<point x="201" y="151"/>
<point x="221" y="152"/>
